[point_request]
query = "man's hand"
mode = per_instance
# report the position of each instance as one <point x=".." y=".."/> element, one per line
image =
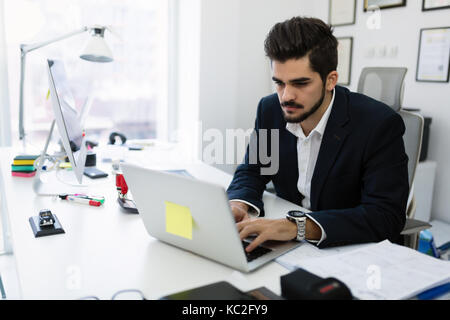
<point x="240" y="211"/>
<point x="266" y="229"/>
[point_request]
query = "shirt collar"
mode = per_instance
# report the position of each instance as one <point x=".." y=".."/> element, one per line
<point x="297" y="130"/>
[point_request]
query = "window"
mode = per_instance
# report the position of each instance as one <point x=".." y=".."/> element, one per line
<point x="129" y="95"/>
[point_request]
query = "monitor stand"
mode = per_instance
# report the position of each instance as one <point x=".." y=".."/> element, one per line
<point x="51" y="185"/>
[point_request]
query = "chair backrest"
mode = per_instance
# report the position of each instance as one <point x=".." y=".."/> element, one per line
<point x="412" y="138"/>
<point x="383" y="84"/>
<point x="386" y="85"/>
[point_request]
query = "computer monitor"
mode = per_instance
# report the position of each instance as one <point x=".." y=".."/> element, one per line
<point x="68" y="121"/>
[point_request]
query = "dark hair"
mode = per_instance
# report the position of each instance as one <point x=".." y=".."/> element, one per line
<point x="300" y="36"/>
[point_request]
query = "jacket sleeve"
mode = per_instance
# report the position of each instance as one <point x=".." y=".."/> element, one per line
<point x="385" y="187"/>
<point x="248" y="183"/>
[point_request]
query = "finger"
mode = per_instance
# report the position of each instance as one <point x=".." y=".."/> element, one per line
<point x="256" y="242"/>
<point x="242" y="224"/>
<point x="248" y="229"/>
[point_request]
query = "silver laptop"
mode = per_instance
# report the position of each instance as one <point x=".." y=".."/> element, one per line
<point x="195" y="215"/>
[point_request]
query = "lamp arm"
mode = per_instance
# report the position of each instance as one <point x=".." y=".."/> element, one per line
<point x="24" y="49"/>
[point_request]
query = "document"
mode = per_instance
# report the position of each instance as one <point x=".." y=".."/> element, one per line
<point x="433" y="64"/>
<point x="307" y="250"/>
<point x="342" y="12"/>
<point x="381" y="271"/>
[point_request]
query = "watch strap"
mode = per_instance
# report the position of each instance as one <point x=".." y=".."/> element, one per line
<point x="301" y="226"/>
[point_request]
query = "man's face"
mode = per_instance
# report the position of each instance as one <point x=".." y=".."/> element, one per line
<point x="300" y="89"/>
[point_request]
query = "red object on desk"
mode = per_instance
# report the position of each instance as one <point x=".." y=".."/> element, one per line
<point x="94" y="203"/>
<point x="121" y="184"/>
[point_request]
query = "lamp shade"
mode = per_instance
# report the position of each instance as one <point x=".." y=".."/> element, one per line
<point x="96" y="49"/>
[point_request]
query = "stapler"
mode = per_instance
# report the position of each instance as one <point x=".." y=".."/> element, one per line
<point x="122" y="189"/>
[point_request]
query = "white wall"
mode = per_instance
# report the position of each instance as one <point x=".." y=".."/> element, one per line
<point x="219" y="65"/>
<point x="400" y="27"/>
<point x="234" y="72"/>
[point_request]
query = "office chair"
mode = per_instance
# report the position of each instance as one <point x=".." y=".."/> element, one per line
<point x="383" y="84"/>
<point x="387" y="85"/>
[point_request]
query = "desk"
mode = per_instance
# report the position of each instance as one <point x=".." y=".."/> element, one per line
<point x="105" y="250"/>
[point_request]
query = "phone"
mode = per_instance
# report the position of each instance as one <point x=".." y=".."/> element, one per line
<point x="94" y="173"/>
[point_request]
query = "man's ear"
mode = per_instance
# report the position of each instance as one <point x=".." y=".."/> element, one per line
<point x="332" y="80"/>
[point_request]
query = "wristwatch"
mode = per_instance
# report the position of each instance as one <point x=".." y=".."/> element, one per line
<point x="299" y="217"/>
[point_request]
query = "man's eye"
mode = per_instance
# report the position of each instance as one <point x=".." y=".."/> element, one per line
<point x="300" y="84"/>
<point x="278" y="83"/>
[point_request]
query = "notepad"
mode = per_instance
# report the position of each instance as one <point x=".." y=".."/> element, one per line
<point x="26" y="157"/>
<point x="23" y="174"/>
<point x="22" y="168"/>
<point x="382" y="271"/>
<point x="178" y="220"/>
<point x="23" y="162"/>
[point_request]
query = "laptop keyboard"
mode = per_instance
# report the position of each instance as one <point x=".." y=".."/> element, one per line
<point x="256" y="253"/>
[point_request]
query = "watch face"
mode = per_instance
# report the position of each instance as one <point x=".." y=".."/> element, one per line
<point x="296" y="214"/>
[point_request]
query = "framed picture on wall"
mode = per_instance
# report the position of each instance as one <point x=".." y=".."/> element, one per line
<point x="435" y="4"/>
<point x="341" y="12"/>
<point x="433" y="59"/>
<point x="383" y="4"/>
<point x="344" y="68"/>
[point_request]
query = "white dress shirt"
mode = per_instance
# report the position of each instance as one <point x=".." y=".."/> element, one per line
<point x="307" y="151"/>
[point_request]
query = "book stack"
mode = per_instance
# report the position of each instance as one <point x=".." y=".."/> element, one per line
<point x="23" y="166"/>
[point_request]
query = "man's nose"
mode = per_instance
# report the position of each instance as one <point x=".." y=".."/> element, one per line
<point x="288" y="94"/>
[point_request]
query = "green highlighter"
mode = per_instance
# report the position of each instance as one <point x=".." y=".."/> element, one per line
<point x="100" y="199"/>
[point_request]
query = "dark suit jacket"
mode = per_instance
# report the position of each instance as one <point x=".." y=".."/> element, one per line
<point x="359" y="187"/>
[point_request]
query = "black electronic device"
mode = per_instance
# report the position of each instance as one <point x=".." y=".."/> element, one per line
<point x="91" y="159"/>
<point x="45" y="224"/>
<point x="303" y="285"/>
<point x="94" y="173"/>
<point x="216" y="291"/>
<point x="46" y="218"/>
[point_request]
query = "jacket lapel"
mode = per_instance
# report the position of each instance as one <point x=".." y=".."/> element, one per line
<point x="332" y="141"/>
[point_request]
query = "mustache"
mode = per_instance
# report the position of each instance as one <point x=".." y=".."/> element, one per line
<point x="292" y="104"/>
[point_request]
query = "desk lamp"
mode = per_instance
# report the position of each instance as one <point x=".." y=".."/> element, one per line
<point x="96" y="50"/>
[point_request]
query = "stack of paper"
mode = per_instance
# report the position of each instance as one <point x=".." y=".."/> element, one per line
<point x="381" y="271"/>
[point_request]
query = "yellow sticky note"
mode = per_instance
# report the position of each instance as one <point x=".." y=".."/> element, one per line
<point x="65" y="165"/>
<point x="178" y="220"/>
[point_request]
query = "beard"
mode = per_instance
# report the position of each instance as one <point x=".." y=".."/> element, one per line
<point x="296" y="119"/>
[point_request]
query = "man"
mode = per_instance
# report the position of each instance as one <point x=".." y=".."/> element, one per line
<point x="341" y="154"/>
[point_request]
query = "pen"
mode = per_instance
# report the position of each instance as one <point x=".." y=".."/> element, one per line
<point x="82" y="196"/>
<point x="85" y="201"/>
<point x="85" y="196"/>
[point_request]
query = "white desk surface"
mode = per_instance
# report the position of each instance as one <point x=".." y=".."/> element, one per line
<point x="105" y="250"/>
